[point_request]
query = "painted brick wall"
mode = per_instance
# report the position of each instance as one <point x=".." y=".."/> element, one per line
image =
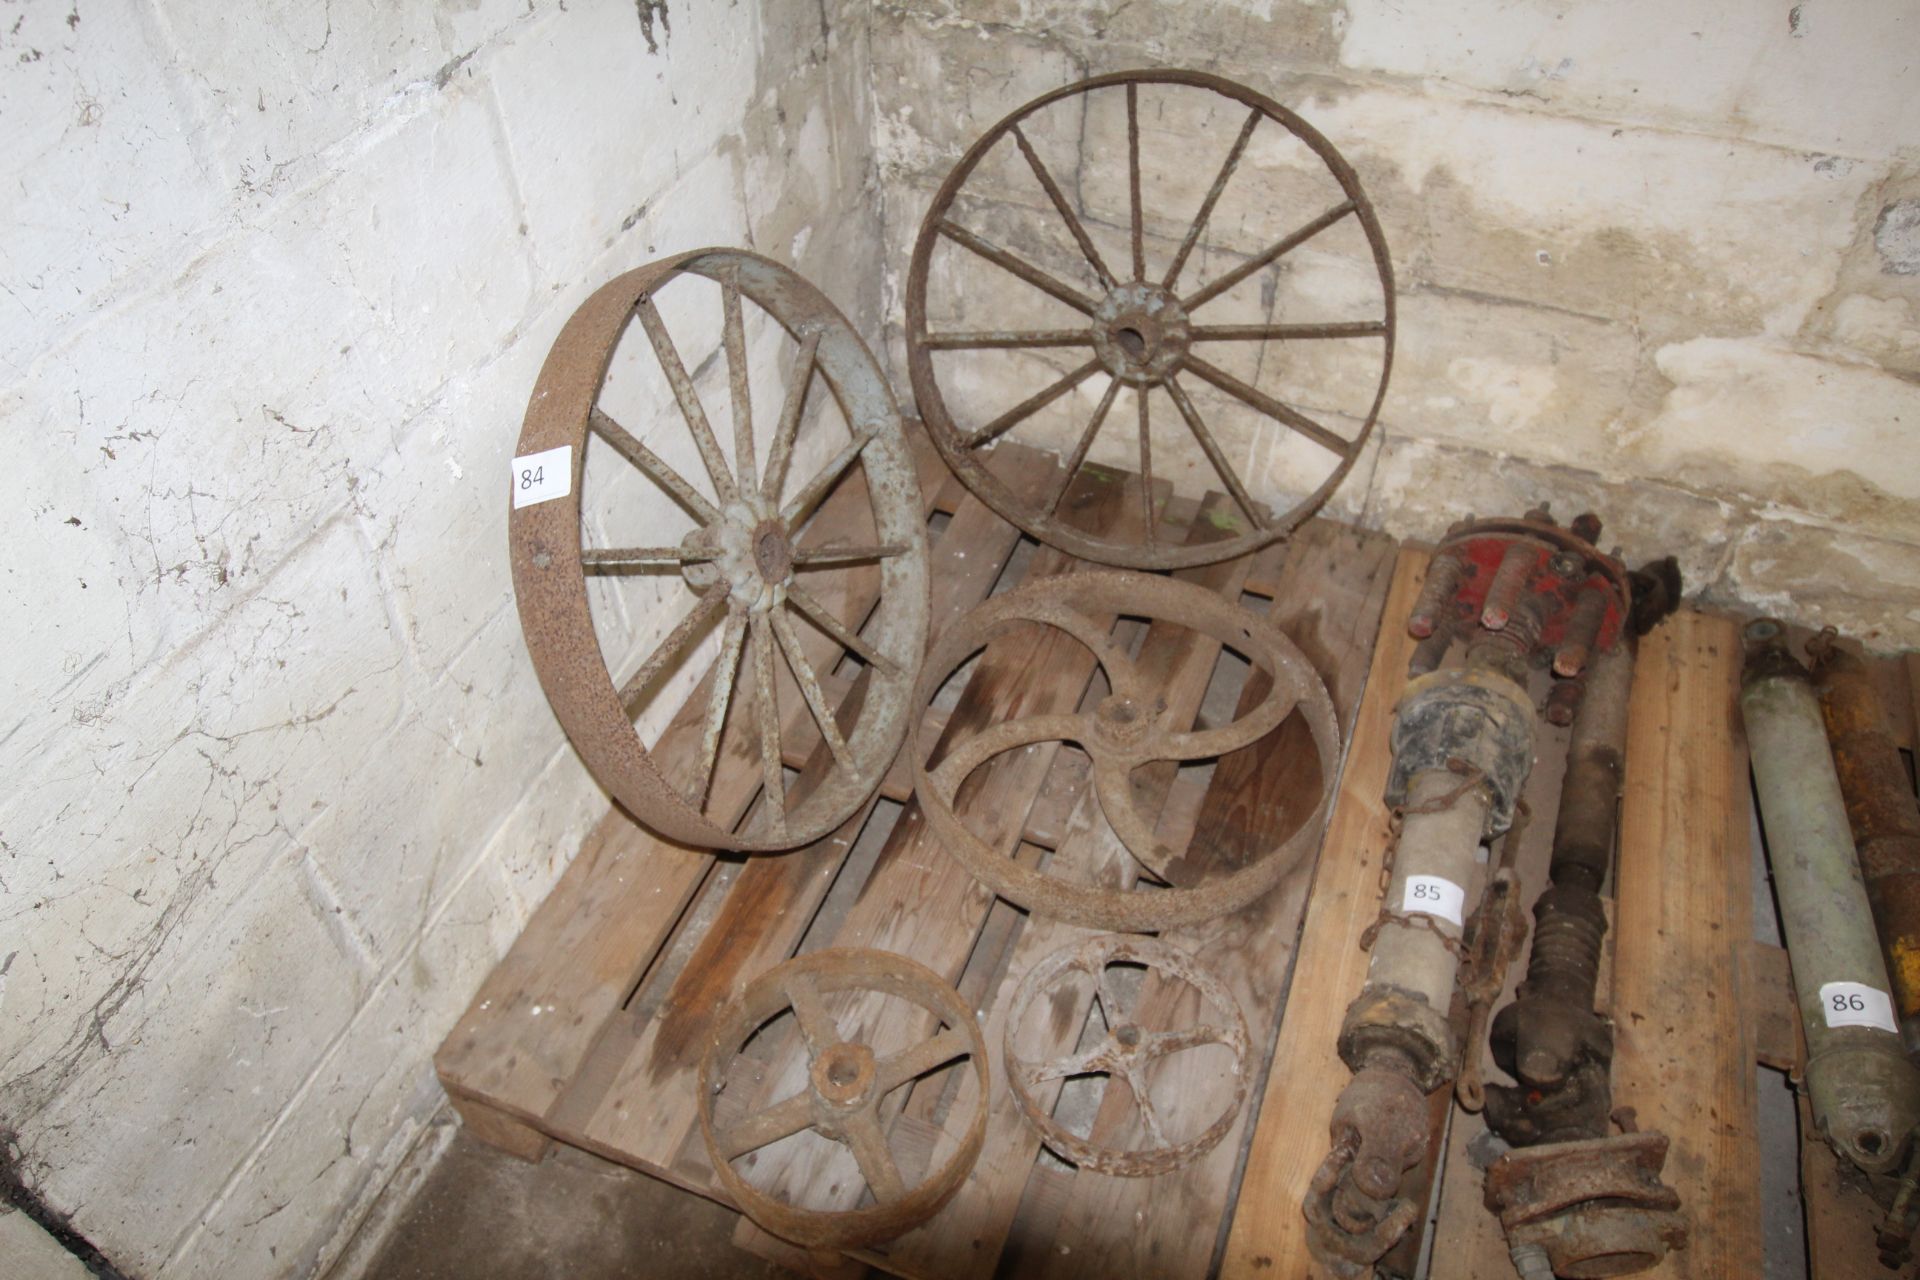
<point x="281" y="784"/>
<point x="1655" y="257"/>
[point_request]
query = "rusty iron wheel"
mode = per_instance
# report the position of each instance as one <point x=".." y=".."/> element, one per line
<point x="1126" y="1052"/>
<point x="1141" y="330"/>
<point x="1123" y="732"/>
<point x="745" y="561"/>
<point x="842" y="1100"/>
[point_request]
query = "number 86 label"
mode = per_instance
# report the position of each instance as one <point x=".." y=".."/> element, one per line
<point x="1855" y="1004"/>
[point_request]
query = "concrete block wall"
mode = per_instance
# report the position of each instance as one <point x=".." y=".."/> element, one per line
<point x="1659" y="258"/>
<point x="281" y="784"/>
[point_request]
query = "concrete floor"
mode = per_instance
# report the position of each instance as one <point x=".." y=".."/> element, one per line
<point x="482" y="1215"/>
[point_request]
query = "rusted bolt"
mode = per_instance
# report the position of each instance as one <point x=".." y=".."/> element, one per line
<point x="1583" y="628"/>
<point x="1509" y="580"/>
<point x="1586" y="527"/>
<point x="1436" y="594"/>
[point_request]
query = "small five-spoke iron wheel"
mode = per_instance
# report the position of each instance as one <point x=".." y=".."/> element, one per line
<point x="1127" y="1053"/>
<point x="753" y="559"/>
<point x="844" y="1095"/>
<point x="1142" y="322"/>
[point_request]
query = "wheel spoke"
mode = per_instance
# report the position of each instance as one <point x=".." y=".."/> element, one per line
<point x="825" y="620"/>
<point x="1288" y="332"/>
<point x="892" y="1072"/>
<point x="1160" y="1044"/>
<point x="669" y="648"/>
<point x="1212" y="198"/>
<point x="1133" y="182"/>
<point x="1031" y="405"/>
<point x="766" y="710"/>
<point x="655" y="468"/>
<point x="1025" y="270"/>
<point x="799" y="380"/>
<point x="1272" y="253"/>
<point x="1079" y="455"/>
<point x="1078" y="232"/>
<point x="868" y="1142"/>
<point x="765" y="1127"/>
<point x="1146" y="466"/>
<point x="817" y="1026"/>
<point x="1149" y="1114"/>
<point x="1003" y="339"/>
<point x="1078" y="1064"/>
<point x="683" y="394"/>
<point x="719" y="696"/>
<point x="614" y="557"/>
<point x="820" y="557"/>
<point x="809" y="496"/>
<point x="734" y="337"/>
<point x="1112" y="1007"/>
<point x="1211" y="447"/>
<point x="1268" y="405"/>
<point x="803" y="675"/>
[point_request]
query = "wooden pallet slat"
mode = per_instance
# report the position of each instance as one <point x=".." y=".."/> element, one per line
<point x="1684" y="1035"/>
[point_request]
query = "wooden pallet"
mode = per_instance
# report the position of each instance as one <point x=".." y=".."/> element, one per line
<point x="590" y="1031"/>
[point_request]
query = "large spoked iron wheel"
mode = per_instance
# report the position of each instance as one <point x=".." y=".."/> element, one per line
<point x="1141" y="318"/>
<point x="747" y="552"/>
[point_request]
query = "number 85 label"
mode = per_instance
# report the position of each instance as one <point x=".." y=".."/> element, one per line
<point x="1434" y="896"/>
<point x="1855" y="1004"/>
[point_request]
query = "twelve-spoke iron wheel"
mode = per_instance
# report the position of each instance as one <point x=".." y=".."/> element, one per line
<point x="1143" y="328"/>
<point x="845" y="1094"/>
<point x="747" y="560"/>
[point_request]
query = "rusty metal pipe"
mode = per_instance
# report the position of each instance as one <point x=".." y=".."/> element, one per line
<point x="1550" y="1039"/>
<point x="1463" y="744"/>
<point x="1864" y="1092"/>
<point x="1883" y="816"/>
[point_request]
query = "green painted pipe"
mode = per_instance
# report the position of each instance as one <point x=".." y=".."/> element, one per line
<point x="1865" y="1094"/>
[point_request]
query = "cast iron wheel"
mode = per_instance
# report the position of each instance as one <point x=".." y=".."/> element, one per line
<point x="744" y="561"/>
<point x="1126" y="1052"/>
<point x="845" y="1088"/>
<point x="1141" y="330"/>
<point x="1124" y="731"/>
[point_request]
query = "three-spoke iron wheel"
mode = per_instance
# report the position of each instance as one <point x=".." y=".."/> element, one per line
<point x="1128" y="728"/>
<point x="748" y="558"/>
<point x="1140" y="318"/>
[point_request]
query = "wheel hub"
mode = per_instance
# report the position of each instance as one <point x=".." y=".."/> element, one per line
<point x="749" y="549"/>
<point x="1141" y="333"/>
<point x="843" y="1075"/>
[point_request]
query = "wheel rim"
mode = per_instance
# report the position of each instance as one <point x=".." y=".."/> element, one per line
<point x="1125" y="1053"/>
<point x="744" y="561"/>
<point x="846" y="1083"/>
<point x="1141" y="333"/>
<point x="1120" y="734"/>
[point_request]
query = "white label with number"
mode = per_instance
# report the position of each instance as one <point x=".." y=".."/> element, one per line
<point x="1434" y="896"/>
<point x="1855" y="1004"/>
<point x="543" y="476"/>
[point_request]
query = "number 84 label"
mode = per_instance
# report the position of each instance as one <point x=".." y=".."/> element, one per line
<point x="543" y="476"/>
<point x="1855" y="1004"/>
